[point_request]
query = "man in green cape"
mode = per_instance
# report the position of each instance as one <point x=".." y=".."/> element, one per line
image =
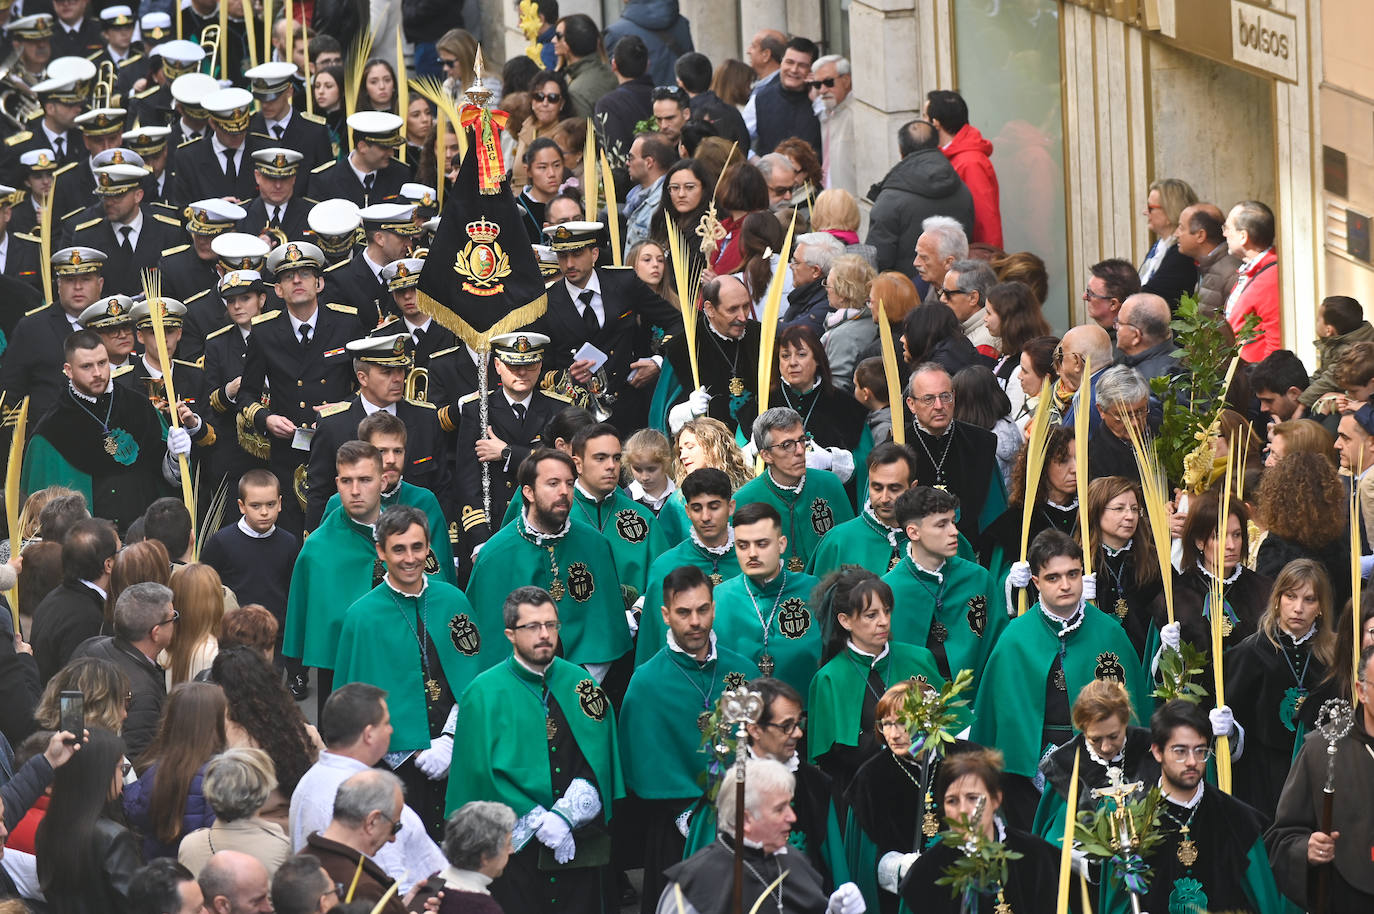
<point x="539" y="735"/>
<point x="1212" y="855"/>
<point x="763" y="612"/>
<point x="874" y="540"/>
<point x="408" y="616"/>
<point x="1043" y="657"/>
<point x="665" y="716"/>
<point x="810" y="502"/>
<point x="710" y="546"/>
<point x="548" y="547"/>
<point x="337" y="565"/>
<point x="629" y="527"/>
<point x="388" y="435"/>
<point x="941" y="600"/>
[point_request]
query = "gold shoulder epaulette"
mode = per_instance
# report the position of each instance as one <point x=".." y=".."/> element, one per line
<point x="473" y="516"/>
<point x="214" y="333"/>
<point x="342" y="309"/>
<point x="88" y="223"/>
<point x="334" y="266"/>
<point x="201" y="293"/>
<point x="321" y="169"/>
<point x="425" y="403"/>
<point x="160" y="217"/>
<point x="130" y="59"/>
<point x="24" y="236"/>
<point x="122" y="370"/>
<point x="151" y="90"/>
<point x="468" y="398"/>
<point x="36" y="310"/>
<point x="334" y="409"/>
<point x="22" y="136"/>
<point x="556" y="396"/>
<point x="65" y="216"/>
<point x="263" y="318"/>
<point x="195" y="364"/>
<point x="167" y="252"/>
<point x="64" y="169"/>
<point x="312" y="118"/>
<point x="435" y="355"/>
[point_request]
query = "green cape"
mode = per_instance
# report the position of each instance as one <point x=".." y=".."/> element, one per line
<point x="806" y="517"/>
<point x="837" y="691"/>
<point x="860" y="542"/>
<point x="501" y="753"/>
<point x="971" y="614"/>
<point x="652" y="631"/>
<point x="660" y="720"/>
<point x="424" y="499"/>
<point x="673" y="520"/>
<point x="630" y="528"/>
<point x="333" y="571"/>
<point x="1017" y="671"/>
<point x="377" y="639"/>
<point x="794" y="638"/>
<point x="591" y="609"/>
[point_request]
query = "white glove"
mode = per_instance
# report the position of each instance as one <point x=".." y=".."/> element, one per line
<point x="632" y="621"/>
<point x="847" y="899"/>
<point x="818" y="458"/>
<point x="1223" y="721"/>
<point x="841" y="463"/>
<point x="679" y="416"/>
<point x="580" y="804"/>
<point x="1171" y="636"/>
<point x="553" y="830"/>
<point x="178" y="442"/>
<point x="892" y="866"/>
<point x="1090" y="586"/>
<point x="476" y="549"/>
<point x="434" y="761"/>
<point x="750" y="454"/>
<point x="1020" y="574"/>
<point x="700" y="401"/>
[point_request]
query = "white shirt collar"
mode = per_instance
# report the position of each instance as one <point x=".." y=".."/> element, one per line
<point x="220" y="149"/>
<point x="152" y="372"/>
<point x="97" y="588"/>
<point x="936" y="572"/>
<point x="296" y="324"/>
<point x="1192" y="801"/>
<point x="424" y="584"/>
<point x="283" y="123"/>
<point x="583" y="489"/>
<point x="362" y="175"/>
<point x="801" y="483"/>
<point x="512" y="401"/>
<point x="372" y="265"/>
<point x="421" y="326"/>
<point x="710" y="650"/>
<point x="593" y="283"/>
<point x="253" y="534"/>
<point x="369" y="407"/>
<point x="636" y="491"/>
<point x="872" y="658"/>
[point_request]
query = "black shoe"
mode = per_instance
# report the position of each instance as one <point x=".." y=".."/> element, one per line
<point x="299" y="686"/>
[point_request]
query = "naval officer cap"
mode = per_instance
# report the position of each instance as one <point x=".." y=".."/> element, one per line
<point x="38" y="161"/>
<point x="379" y="127"/>
<point x="190" y="89"/>
<point x="101" y="121"/>
<point x="424" y="198"/>
<point x="115" y="180"/>
<point x="117" y="156"/>
<point x="77" y="261"/>
<point x="520" y="347"/>
<point x="179" y="57"/>
<point x="241" y="282"/>
<point x="239" y="250"/>
<point x="403" y="273"/>
<point x="67" y="90"/>
<point x="212" y="217"/>
<point x="277" y="162"/>
<point x="155" y="26"/>
<point x="116" y="17"/>
<point x="112" y="312"/>
<point x="398" y="218"/>
<point x="269" y="80"/>
<point x="394" y="351"/>
<point x="574" y="236"/>
<point x="30" y="28"/>
<point x="173" y="313"/>
<point x="229" y="108"/>
<point x="295" y="255"/>
<point x="147" y="141"/>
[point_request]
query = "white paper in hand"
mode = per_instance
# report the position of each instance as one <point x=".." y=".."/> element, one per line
<point x="590" y="353"/>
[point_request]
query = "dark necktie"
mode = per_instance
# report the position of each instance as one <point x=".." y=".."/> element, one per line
<point x="278" y="131"/>
<point x="124" y="244"/>
<point x="305" y="335"/>
<point x="275" y="221"/>
<point x="519" y="409"/>
<point x="419" y="336"/>
<point x="369" y="180"/>
<point x="229" y="171"/>
<point x="60" y="146"/>
<point x="588" y="312"/>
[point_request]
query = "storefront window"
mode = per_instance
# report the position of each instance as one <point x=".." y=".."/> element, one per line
<point x="1007" y="63"/>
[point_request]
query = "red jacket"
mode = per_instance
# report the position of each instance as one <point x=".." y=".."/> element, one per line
<point x="968" y="152"/>
<point x="1257" y="292"/>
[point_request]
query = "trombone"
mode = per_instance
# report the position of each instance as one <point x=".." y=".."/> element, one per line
<point x="209" y="42"/>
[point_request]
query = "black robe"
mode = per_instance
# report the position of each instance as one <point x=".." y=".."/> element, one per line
<point x="1137" y="763"/>
<point x="1139" y="604"/>
<point x="967" y="469"/>
<point x="1247" y="596"/>
<point x="832" y="417"/>
<point x="719" y="360"/>
<point x="1224" y="830"/>
<point x="1032" y="881"/>
<point x="707" y="879"/>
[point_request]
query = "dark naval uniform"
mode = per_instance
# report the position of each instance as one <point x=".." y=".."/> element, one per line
<point x="33" y="360"/>
<point x="201" y="175"/>
<point x="336" y="178"/>
<point x="123" y="273"/>
<point x="353" y="282"/>
<point x="292" y="222"/>
<point x="305" y="133"/>
<point x="240" y="447"/>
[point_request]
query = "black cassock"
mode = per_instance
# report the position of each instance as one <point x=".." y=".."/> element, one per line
<point x="964" y="465"/>
<point x="719" y="362"/>
<point x="707" y="879"/>
<point x="1223" y="830"/>
<point x="1032" y="881"/>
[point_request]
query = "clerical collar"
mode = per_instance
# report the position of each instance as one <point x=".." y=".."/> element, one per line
<point x="872" y="658"/>
<point x="937" y="573"/>
<point x="83" y="396"/>
<point x="714" y="550"/>
<point x="1299" y="641"/>
<point x="590" y="497"/>
<point x="1192" y="801"/>
<point x="465" y="880"/>
<point x="1113" y="553"/>
<point x="795" y="490"/>
<point x="1066" y="626"/>
<point x="710" y="651"/>
<point x="538" y="537"/>
<point x="1071" y="506"/>
<point x="792" y="763"/>
<point x="1230" y="579"/>
<point x="424" y="584"/>
<point x="250" y="532"/>
<point x="948" y="429"/>
<point x="717" y="334"/>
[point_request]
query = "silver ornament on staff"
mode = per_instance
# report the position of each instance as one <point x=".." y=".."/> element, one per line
<point x="1334" y="721"/>
<point x="739" y="708"/>
<point x="479" y="96"/>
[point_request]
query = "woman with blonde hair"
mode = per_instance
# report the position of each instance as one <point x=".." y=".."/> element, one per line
<point x="105" y="693"/>
<point x="1273" y="680"/>
<point x="851" y="333"/>
<point x="706" y="442"/>
<point x="28" y="517"/>
<point x="1300" y="436"/>
<point x="836" y="212"/>
<point x="1167" y="271"/>
<point x="198" y="596"/>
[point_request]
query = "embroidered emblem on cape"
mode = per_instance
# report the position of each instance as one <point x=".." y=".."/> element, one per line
<point x="822" y="518"/>
<point x="1109" y="667"/>
<point x="592" y="700"/>
<point x="465" y="636"/>
<point x="978" y="614"/>
<point x="631" y="527"/>
<point x="580" y="582"/>
<point x="794" y="618"/>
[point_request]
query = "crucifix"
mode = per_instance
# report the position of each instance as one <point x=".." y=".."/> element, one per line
<point x="1119" y="793"/>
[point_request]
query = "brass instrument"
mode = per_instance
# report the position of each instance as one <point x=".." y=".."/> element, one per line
<point x="102" y="92"/>
<point x="417" y="385"/>
<point x="209" y="42"/>
<point x="17" y="101"/>
<point x="275" y="237"/>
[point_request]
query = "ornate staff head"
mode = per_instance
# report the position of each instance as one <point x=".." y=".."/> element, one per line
<point x="739" y="708"/>
<point x="1334" y="721"/>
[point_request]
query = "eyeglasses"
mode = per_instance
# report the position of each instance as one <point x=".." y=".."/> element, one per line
<point x="338" y="890"/>
<point x="782" y="191"/>
<point x="944" y="294"/>
<point x="536" y="627"/>
<point x="175" y="616"/>
<point x="1182" y="753"/>
<point x="790" y="444"/>
<point x="557" y="36"/>
<point x="790" y="725"/>
<point x="552" y="98"/>
<point x="1089" y="293"/>
<point x="683" y="188"/>
<point x="448" y="62"/>
<point x="945" y="398"/>
<point x="676" y="93"/>
<point x="395" y="823"/>
<point x="818" y="83"/>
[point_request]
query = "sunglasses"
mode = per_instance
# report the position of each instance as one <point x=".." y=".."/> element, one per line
<point x="448" y="62"/>
<point x="663" y="92"/>
<point x="550" y="97"/>
<point x="818" y="83"/>
<point x="558" y="36"/>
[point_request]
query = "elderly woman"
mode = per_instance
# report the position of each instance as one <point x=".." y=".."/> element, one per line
<point x="477" y="846"/>
<point x="850" y="331"/>
<point x="237" y="784"/>
<point x="1166" y="271"/>
<point x="837" y="213"/>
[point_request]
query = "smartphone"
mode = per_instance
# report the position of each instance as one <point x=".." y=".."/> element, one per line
<point x="72" y="714"/>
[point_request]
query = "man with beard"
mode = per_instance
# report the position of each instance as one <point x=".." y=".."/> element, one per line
<point x="727" y="342"/>
<point x="537" y="704"/>
<point x="710" y="546"/>
<point x="103" y="441"/>
<point x="874" y="540"/>
<point x="1211" y="857"/>
<point x="810" y="502"/>
<point x="672" y="696"/>
<point x="337" y="565"/>
<point x="405" y="615"/>
<point x="564" y="555"/>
